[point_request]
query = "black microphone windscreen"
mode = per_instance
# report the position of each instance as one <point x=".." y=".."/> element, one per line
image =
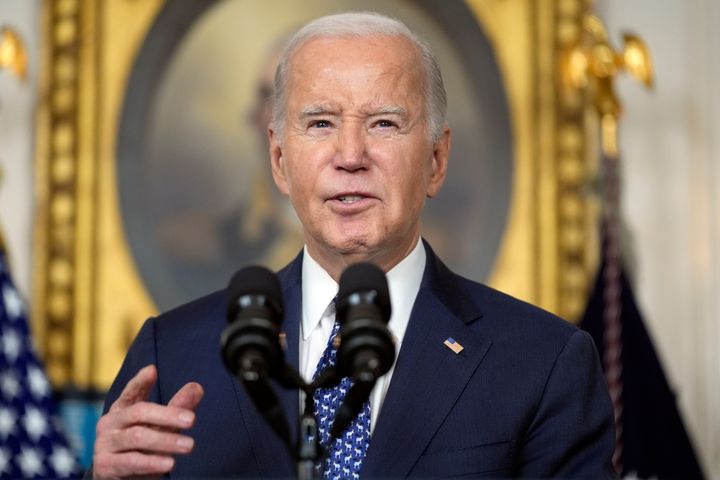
<point x="254" y="280"/>
<point x="363" y="277"/>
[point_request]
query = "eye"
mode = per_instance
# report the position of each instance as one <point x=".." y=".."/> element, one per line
<point x="320" y="124"/>
<point x="385" y="123"/>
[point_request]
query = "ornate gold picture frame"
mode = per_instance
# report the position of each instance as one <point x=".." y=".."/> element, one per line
<point x="92" y="286"/>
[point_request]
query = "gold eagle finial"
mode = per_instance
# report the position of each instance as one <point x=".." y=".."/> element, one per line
<point x="12" y="53"/>
<point x="592" y="64"/>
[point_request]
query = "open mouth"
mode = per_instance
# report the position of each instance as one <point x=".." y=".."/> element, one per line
<point x="348" y="199"/>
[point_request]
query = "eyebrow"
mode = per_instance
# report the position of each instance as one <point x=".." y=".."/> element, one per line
<point x="389" y="110"/>
<point x="320" y="110"/>
<point x="316" y="110"/>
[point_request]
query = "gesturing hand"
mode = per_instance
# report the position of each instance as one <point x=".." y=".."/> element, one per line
<point x="137" y="437"/>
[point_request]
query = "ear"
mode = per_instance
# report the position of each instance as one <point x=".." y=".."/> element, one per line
<point x="441" y="154"/>
<point x="276" y="161"/>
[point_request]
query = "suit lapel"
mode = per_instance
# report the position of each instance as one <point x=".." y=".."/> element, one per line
<point x="428" y="377"/>
<point x="291" y="277"/>
<point x="267" y="446"/>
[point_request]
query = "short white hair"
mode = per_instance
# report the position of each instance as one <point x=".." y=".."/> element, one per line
<point x="360" y="25"/>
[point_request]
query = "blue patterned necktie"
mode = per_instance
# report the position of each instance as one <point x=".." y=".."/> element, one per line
<point x="346" y="453"/>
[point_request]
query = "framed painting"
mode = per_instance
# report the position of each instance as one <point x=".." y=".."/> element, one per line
<point x="154" y="185"/>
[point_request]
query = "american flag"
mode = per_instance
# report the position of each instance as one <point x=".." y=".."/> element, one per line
<point x="32" y="444"/>
<point x="453" y="345"/>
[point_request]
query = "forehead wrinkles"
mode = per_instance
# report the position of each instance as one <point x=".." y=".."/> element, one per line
<point x="371" y="84"/>
<point x="391" y="54"/>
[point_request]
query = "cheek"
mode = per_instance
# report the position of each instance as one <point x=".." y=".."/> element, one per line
<point x="416" y="180"/>
<point x="300" y="184"/>
<point x="407" y="197"/>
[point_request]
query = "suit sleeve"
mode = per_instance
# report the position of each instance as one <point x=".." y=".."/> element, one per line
<point x="142" y="352"/>
<point x="572" y="434"/>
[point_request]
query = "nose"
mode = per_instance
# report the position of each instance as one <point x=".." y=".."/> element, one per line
<point x="351" y="151"/>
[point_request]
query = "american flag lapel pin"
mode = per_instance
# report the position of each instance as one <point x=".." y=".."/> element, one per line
<point x="453" y="345"/>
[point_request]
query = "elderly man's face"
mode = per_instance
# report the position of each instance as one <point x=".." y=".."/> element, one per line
<point x="356" y="159"/>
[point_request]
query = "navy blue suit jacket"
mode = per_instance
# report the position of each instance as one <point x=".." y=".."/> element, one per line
<point x="526" y="396"/>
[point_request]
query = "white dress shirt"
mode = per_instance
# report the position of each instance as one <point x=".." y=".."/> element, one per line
<point x="318" y="315"/>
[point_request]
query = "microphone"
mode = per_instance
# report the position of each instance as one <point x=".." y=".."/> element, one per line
<point x="250" y="344"/>
<point x="363" y="310"/>
<point x="366" y="349"/>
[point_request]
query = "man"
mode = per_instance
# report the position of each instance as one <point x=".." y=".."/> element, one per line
<point x="484" y="385"/>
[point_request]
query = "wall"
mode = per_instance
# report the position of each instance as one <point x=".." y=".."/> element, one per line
<point x="17" y="122"/>
<point x="671" y="166"/>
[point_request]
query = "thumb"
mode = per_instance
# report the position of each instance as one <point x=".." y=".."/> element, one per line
<point x="188" y="396"/>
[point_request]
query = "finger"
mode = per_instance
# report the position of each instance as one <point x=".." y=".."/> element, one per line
<point x="188" y="396"/>
<point x="148" y="414"/>
<point x="147" y="440"/>
<point x="137" y="389"/>
<point x="131" y="464"/>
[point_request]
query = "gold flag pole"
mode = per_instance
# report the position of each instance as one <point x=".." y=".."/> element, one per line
<point x="592" y="65"/>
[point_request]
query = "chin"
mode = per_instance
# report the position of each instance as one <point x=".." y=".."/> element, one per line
<point x="352" y="245"/>
<point x="349" y="244"/>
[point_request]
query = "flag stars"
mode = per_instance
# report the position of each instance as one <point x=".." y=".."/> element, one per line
<point x="4" y="461"/>
<point x="13" y="304"/>
<point x="35" y="423"/>
<point x="7" y="422"/>
<point x="11" y="344"/>
<point x="30" y="462"/>
<point x="37" y="382"/>
<point x="9" y="384"/>
<point x="62" y="461"/>
<point x="32" y="443"/>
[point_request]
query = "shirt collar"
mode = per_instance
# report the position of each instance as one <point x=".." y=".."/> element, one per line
<point x="318" y="290"/>
<point x="404" y="280"/>
<point x="404" y="283"/>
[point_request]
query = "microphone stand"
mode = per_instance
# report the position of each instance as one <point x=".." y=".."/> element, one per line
<point x="307" y="452"/>
<point x="308" y="446"/>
